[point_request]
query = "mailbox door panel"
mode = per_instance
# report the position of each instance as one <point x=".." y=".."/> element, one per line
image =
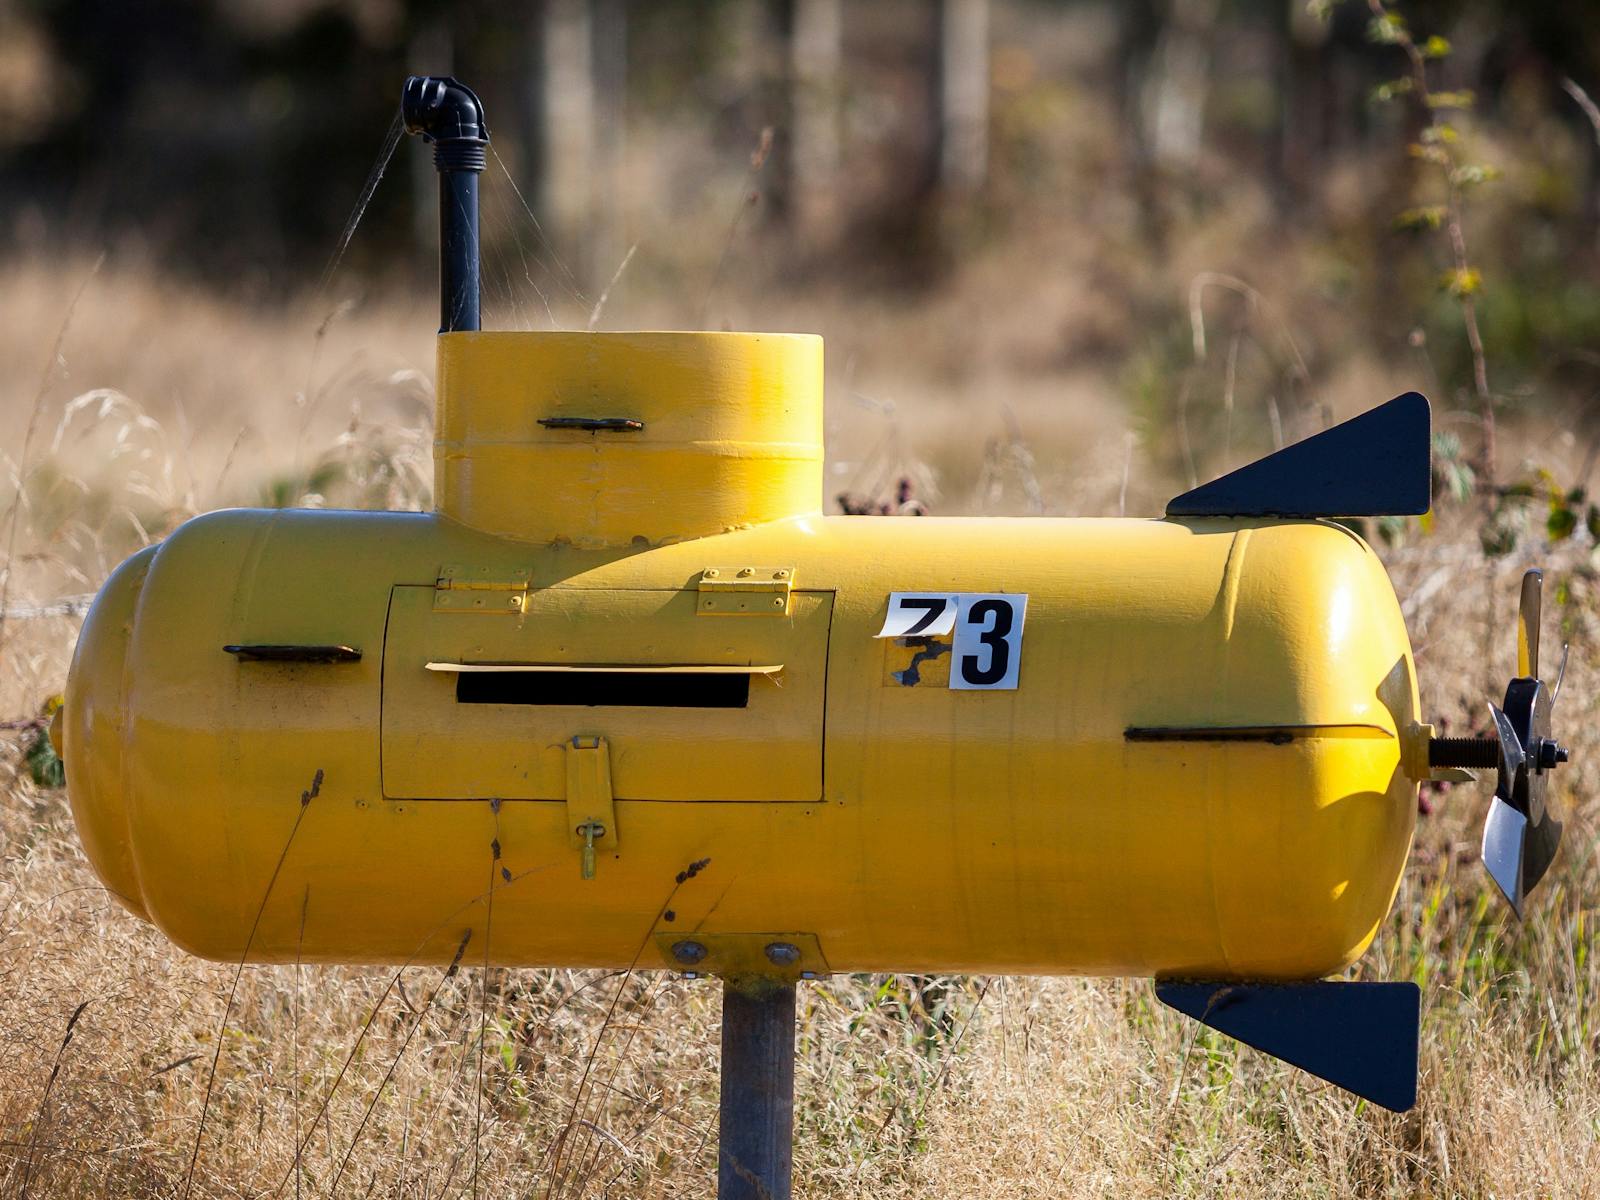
<point x="483" y="704"/>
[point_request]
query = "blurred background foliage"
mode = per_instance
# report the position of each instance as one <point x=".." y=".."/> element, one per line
<point x="1198" y="228"/>
<point x="1069" y="257"/>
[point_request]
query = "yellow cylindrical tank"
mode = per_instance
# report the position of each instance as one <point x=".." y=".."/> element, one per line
<point x="739" y="443"/>
<point x="629" y="681"/>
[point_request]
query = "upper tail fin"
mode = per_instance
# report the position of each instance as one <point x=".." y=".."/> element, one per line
<point x="1373" y="465"/>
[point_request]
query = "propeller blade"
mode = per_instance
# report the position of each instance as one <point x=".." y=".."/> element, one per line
<point x="1512" y="755"/>
<point x="1539" y="845"/>
<point x="1503" y="835"/>
<point x="1528" y="624"/>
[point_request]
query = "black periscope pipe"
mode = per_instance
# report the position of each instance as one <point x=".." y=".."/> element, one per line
<point x="445" y="112"/>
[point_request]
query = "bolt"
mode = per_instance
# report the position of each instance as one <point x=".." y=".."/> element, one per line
<point x="746" y="572"/>
<point x="688" y="952"/>
<point x="709" y="572"/>
<point x="1482" y="753"/>
<point x="780" y="574"/>
<point x="783" y="954"/>
<point x="777" y="602"/>
<point x="515" y="602"/>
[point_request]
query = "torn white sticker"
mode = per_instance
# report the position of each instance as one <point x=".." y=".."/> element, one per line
<point x="988" y="644"/>
<point x="919" y="614"/>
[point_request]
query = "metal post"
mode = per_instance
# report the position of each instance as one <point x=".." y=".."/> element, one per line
<point x="756" y="1156"/>
<point x="458" y="249"/>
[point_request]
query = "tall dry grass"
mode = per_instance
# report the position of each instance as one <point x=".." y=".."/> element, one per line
<point x="554" y="1083"/>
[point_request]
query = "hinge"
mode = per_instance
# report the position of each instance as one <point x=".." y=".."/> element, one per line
<point x="745" y="591"/>
<point x="591" y="815"/>
<point x="464" y="589"/>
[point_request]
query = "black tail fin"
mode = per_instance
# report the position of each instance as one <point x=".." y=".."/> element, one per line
<point x="1360" y="1036"/>
<point x="1374" y="465"/>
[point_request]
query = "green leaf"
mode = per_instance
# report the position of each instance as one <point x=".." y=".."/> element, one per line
<point x="1462" y="282"/>
<point x="1471" y="174"/>
<point x="1561" y="523"/>
<point x="45" y="768"/>
<point x="1498" y="539"/>
<point x="1463" y="99"/>
<point x="1429" y="216"/>
<point x="1388" y="29"/>
<point x="1591" y="522"/>
<point x="1435" y="47"/>
<point x="1384" y="92"/>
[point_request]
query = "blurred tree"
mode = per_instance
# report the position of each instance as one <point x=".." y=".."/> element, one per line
<point x="963" y="108"/>
<point x="606" y="243"/>
<point x="817" y="82"/>
<point x="562" y="190"/>
<point x="230" y="137"/>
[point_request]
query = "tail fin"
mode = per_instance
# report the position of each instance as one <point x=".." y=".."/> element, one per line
<point x="1360" y="1036"/>
<point x="1374" y="465"/>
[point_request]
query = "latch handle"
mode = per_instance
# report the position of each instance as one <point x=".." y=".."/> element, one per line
<point x="591" y="812"/>
<point x="590" y="830"/>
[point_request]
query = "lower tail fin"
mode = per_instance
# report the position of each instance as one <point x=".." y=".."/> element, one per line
<point x="1361" y="1037"/>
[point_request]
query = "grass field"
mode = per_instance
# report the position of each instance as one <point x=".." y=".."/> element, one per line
<point x="161" y="401"/>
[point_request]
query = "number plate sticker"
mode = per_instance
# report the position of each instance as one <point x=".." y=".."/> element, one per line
<point x="987" y="650"/>
<point x="919" y="614"/>
<point x="988" y="646"/>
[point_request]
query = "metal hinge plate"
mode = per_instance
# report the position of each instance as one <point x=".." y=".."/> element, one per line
<point x="464" y="589"/>
<point x="745" y="591"/>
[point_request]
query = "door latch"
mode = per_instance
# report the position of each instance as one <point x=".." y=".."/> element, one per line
<point x="591" y="813"/>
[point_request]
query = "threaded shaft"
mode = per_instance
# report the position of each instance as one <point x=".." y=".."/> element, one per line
<point x="460" y="154"/>
<point x="1482" y="753"/>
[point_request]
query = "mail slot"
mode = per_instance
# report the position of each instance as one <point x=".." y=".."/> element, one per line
<point x="694" y="707"/>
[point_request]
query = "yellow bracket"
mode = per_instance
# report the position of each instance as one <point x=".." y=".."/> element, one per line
<point x="742" y="956"/>
<point x="745" y="591"/>
<point x="591" y="815"/>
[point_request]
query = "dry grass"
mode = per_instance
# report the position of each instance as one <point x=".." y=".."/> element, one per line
<point x="1008" y="1087"/>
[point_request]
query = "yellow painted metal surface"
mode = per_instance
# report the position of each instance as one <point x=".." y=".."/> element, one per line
<point x="437" y="748"/>
<point x="732" y="433"/>
<point x="881" y="819"/>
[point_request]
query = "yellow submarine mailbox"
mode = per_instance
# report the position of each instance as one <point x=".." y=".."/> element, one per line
<point x="629" y="679"/>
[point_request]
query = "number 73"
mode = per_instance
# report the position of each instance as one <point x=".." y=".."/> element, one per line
<point x="987" y="652"/>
